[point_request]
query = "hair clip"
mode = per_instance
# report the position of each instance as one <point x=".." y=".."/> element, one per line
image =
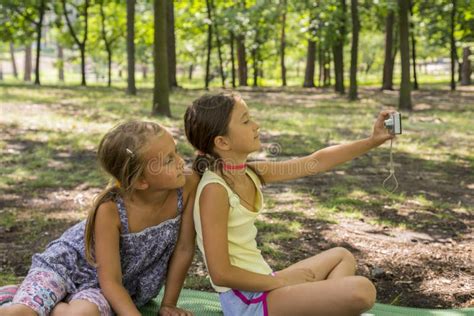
<point x="130" y="153"/>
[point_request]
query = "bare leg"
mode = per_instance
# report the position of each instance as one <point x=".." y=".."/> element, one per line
<point x="76" y="308"/>
<point x="343" y="296"/>
<point x="330" y="264"/>
<point x="17" y="310"/>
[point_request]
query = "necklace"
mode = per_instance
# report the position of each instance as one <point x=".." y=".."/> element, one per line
<point x="228" y="167"/>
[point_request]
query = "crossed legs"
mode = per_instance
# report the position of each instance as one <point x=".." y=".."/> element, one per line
<point x="334" y="291"/>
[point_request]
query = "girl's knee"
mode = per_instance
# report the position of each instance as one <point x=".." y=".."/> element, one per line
<point x="344" y="254"/>
<point x="363" y="293"/>
<point x="88" y="310"/>
<point x="17" y="310"/>
<point x="78" y="309"/>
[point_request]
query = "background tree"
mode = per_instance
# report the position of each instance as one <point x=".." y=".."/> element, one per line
<point x="79" y="10"/>
<point x="131" y="88"/>
<point x="57" y="29"/>
<point x="161" y="103"/>
<point x="216" y="22"/>
<point x="338" y="45"/>
<point x="390" y="50"/>
<point x="312" y="35"/>
<point x="111" y="29"/>
<point x="453" y="44"/>
<point x="413" y="42"/>
<point x="209" y="45"/>
<point x="33" y="12"/>
<point x="144" y="36"/>
<point x="283" y="8"/>
<point x="171" y="45"/>
<point x="191" y="35"/>
<point x="242" y="20"/>
<point x="405" y="86"/>
<point x="354" y="50"/>
<point x="465" y="32"/>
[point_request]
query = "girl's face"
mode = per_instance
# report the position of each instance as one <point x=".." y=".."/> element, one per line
<point x="243" y="132"/>
<point x="164" y="168"/>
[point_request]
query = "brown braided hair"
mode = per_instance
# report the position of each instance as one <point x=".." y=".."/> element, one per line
<point x="204" y="120"/>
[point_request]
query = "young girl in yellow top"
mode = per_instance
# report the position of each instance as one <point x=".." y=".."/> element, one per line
<point x="139" y="235"/>
<point x="228" y="200"/>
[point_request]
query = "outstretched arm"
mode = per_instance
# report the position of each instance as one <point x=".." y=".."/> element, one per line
<point x="324" y="159"/>
<point x="107" y="254"/>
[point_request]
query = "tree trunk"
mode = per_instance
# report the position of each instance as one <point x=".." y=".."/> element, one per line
<point x="190" y="73"/>
<point x="109" y="67"/>
<point x="82" y="49"/>
<point x="28" y="64"/>
<point x="218" y="42"/>
<point x="327" y="69"/>
<point x="171" y="45"/>
<point x="405" y="86"/>
<point x="338" y="51"/>
<point x="81" y="44"/>
<point x="354" y="50"/>
<point x="39" y="28"/>
<point x="466" y="69"/>
<point x="232" y="58"/>
<point x="387" y="80"/>
<point x="161" y="103"/>
<point x="144" y="72"/>
<point x="413" y="46"/>
<point x="131" y="88"/>
<point x="255" y="64"/>
<point x="283" y="44"/>
<point x="107" y="44"/>
<point x="60" y="63"/>
<point x="241" y="61"/>
<point x="453" y="45"/>
<point x="310" y="61"/>
<point x="338" y="68"/>
<point x="320" y="65"/>
<point x="209" y="46"/>
<point x="12" y="55"/>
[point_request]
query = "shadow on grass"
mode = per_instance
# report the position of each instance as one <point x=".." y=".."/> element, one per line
<point x="423" y="288"/>
<point x="431" y="202"/>
<point x="59" y="162"/>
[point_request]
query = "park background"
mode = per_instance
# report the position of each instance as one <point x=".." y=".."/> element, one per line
<point x="314" y="73"/>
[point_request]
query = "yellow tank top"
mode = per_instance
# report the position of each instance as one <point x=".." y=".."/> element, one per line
<point x="241" y="230"/>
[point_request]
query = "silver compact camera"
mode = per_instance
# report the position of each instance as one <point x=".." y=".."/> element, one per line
<point x="394" y="123"/>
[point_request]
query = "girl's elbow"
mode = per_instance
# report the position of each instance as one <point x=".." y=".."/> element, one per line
<point x="218" y="278"/>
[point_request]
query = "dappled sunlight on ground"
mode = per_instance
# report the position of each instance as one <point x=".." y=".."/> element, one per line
<point x="415" y="244"/>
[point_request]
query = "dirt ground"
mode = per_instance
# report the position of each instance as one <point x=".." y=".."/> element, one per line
<point x="428" y="265"/>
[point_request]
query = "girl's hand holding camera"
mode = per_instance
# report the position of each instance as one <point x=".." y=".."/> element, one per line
<point x="380" y="133"/>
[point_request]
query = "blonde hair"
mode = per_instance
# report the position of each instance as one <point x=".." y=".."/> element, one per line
<point x="120" y="155"/>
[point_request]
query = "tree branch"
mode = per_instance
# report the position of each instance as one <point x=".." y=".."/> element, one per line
<point x="69" y="24"/>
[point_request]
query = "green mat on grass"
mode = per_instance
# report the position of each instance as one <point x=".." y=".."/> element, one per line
<point x="205" y="303"/>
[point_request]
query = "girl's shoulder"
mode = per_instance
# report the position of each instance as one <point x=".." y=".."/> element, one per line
<point x="109" y="211"/>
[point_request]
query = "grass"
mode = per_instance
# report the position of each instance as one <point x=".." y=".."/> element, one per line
<point x="49" y="136"/>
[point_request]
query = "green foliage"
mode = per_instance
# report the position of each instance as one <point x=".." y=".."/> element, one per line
<point x="259" y="21"/>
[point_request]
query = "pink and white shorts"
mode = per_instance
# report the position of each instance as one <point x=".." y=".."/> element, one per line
<point x="43" y="289"/>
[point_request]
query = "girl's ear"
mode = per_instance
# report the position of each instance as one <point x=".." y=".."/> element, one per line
<point x="142" y="184"/>
<point x="222" y="143"/>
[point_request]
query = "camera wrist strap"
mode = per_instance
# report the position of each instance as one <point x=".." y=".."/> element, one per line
<point x="392" y="172"/>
